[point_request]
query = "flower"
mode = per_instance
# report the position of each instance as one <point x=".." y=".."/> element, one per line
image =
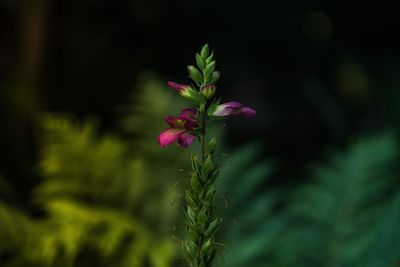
<point x="180" y="128"/>
<point x="232" y="108"/>
<point x="185" y="90"/>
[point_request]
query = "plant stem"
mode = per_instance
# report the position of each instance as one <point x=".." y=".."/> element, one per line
<point x="203" y="132"/>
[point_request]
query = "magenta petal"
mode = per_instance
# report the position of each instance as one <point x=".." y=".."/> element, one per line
<point x="169" y="136"/>
<point x="232" y="104"/>
<point x="173" y="85"/>
<point x="177" y="86"/>
<point x="227" y="109"/>
<point x="171" y="120"/>
<point x="191" y="125"/>
<point x="248" y="112"/>
<point x="188" y="113"/>
<point x="185" y="140"/>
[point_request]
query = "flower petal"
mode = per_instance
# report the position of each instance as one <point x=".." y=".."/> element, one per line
<point x="248" y="112"/>
<point x="191" y="125"/>
<point x="185" y="139"/>
<point x="169" y="136"/>
<point x="171" y="120"/>
<point x="227" y="109"/>
<point x="182" y="89"/>
<point x="188" y="113"/>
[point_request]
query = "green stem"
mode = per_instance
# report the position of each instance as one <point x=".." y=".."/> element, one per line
<point x="203" y="132"/>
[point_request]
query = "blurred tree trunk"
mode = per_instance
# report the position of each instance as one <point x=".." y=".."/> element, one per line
<point x="23" y="99"/>
<point x="32" y="15"/>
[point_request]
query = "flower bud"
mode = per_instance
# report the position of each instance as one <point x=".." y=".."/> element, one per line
<point x="231" y="108"/>
<point x="191" y="94"/>
<point x="204" y="52"/>
<point x="211" y="146"/>
<point x="195" y="74"/>
<point x="209" y="90"/>
<point x="208" y="71"/>
<point x="186" y="91"/>
<point x="214" y="77"/>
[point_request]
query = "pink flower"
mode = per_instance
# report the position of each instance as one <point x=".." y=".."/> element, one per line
<point x="180" y="128"/>
<point x="232" y="108"/>
<point x="185" y="90"/>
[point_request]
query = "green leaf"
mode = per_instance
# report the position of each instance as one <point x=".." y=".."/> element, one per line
<point x="211" y="109"/>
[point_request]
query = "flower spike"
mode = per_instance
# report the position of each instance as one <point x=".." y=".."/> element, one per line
<point x="202" y="220"/>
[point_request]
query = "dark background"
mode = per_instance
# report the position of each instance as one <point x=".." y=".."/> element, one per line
<point x="318" y="72"/>
<point x="312" y="180"/>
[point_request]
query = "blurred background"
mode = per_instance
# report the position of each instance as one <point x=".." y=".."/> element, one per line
<point x="313" y="180"/>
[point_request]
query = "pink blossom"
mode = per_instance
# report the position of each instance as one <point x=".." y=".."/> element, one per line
<point x="180" y="128"/>
<point x="233" y="108"/>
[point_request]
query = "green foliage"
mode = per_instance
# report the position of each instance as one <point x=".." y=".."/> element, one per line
<point x="250" y="225"/>
<point x="348" y="215"/>
<point x="104" y="199"/>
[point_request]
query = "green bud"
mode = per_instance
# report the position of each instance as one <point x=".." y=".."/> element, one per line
<point x="191" y="215"/>
<point x="195" y="164"/>
<point x="213" y="176"/>
<point x="214" y="77"/>
<point x="195" y="74"/>
<point x="190" y="201"/>
<point x="210" y="58"/>
<point x="208" y="71"/>
<point x="209" y="195"/>
<point x="202" y="218"/>
<point x="206" y="247"/>
<point x="204" y="52"/>
<point x="193" y="235"/>
<point x="211" y="146"/>
<point x="194" y="182"/>
<point x="191" y="248"/>
<point x="201" y="63"/>
<point x="208" y="91"/>
<point x="191" y="94"/>
<point x="213" y="227"/>
<point x="208" y="165"/>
